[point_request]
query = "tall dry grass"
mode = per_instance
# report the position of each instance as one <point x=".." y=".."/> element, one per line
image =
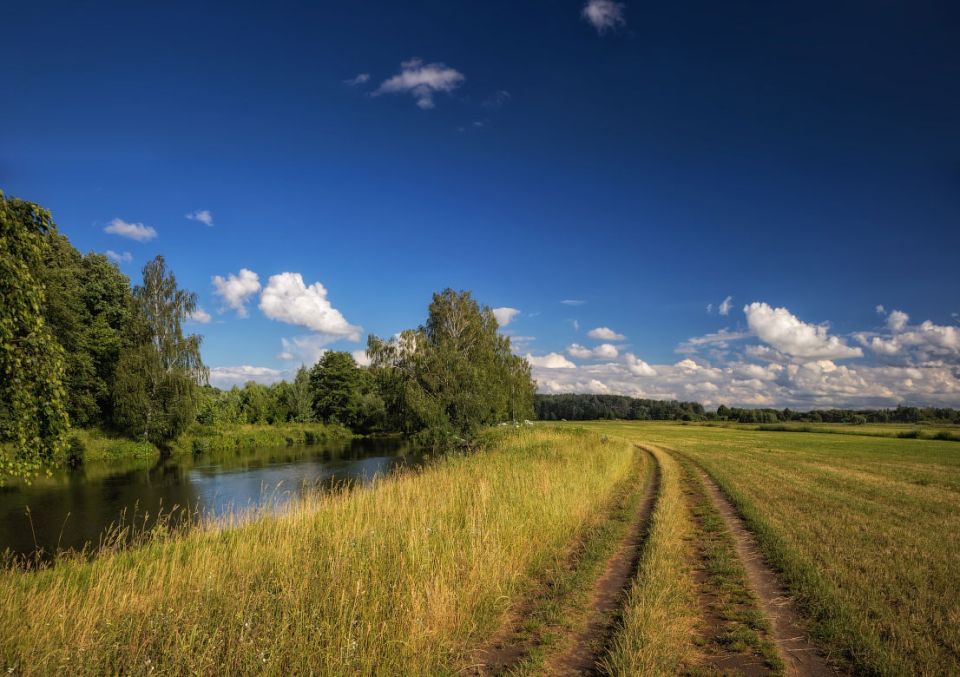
<point x="408" y="576"/>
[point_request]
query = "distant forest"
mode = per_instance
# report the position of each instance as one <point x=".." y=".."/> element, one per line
<point x="620" y="407"/>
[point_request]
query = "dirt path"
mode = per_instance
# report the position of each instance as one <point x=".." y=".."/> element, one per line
<point x="799" y="655"/>
<point x="608" y="592"/>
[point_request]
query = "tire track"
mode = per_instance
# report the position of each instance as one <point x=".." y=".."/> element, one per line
<point x="606" y="598"/>
<point x="800" y="656"/>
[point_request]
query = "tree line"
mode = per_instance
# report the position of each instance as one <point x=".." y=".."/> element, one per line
<point x="80" y="346"/>
<point x="614" y="407"/>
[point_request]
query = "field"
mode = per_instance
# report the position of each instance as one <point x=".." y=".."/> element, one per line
<point x="624" y="548"/>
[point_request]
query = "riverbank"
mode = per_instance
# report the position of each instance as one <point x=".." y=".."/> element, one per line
<point x="409" y="575"/>
<point x="96" y="444"/>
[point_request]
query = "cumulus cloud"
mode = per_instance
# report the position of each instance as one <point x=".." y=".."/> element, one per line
<point x="897" y="320"/>
<point x="359" y="79"/>
<point x="422" y="81"/>
<point x="227" y="377"/>
<point x="605" y="334"/>
<point x="200" y="316"/>
<point x="638" y="367"/>
<point x="603" y="351"/>
<point x="725" y="306"/>
<point x="915" y="344"/>
<point x="361" y="357"/>
<point x="505" y="315"/>
<point x="134" y="231"/>
<point x="779" y="328"/>
<point x="550" y="361"/>
<point x="202" y="215"/>
<point x="604" y="15"/>
<point x="287" y="299"/>
<point x="118" y="258"/>
<point x="880" y="309"/>
<point x="235" y="290"/>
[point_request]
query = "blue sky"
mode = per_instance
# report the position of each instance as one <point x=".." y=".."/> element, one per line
<point x="645" y="161"/>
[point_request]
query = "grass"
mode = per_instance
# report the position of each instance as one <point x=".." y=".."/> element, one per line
<point x="920" y="431"/>
<point x="407" y="576"/>
<point x="865" y="532"/>
<point x="659" y="615"/>
<point x="555" y="612"/>
<point x="202" y="439"/>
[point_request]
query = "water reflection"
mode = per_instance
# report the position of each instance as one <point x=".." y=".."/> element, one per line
<point x="73" y="508"/>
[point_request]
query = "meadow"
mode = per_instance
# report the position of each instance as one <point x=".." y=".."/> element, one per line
<point x="498" y="561"/>
<point x="864" y="530"/>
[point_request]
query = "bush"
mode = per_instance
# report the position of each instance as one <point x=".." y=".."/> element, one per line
<point x="76" y="451"/>
<point x="200" y="446"/>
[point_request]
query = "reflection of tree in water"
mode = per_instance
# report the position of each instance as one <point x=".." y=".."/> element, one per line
<point x="74" y="508"/>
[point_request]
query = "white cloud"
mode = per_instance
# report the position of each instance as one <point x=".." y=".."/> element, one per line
<point x="202" y="215"/>
<point x="880" y="309"/>
<point x="287" y="299"/>
<point x="637" y="366"/>
<point x="361" y="357"/>
<point x="227" y="377"/>
<point x="422" y="81"/>
<point x="123" y="257"/>
<point x="915" y="343"/>
<point x="604" y="14"/>
<point x="605" y="334"/>
<point x="709" y="308"/>
<point x="359" y="79"/>
<point x="781" y="329"/>
<point x="550" y="361"/>
<point x="603" y="351"/>
<point x="303" y="349"/>
<point x="720" y="339"/>
<point x="134" y="231"/>
<point x="235" y="290"/>
<point x="725" y="306"/>
<point x="200" y="316"/>
<point x="572" y="302"/>
<point x="505" y="315"/>
<point x="897" y="320"/>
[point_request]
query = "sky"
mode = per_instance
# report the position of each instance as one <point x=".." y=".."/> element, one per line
<point x="742" y="203"/>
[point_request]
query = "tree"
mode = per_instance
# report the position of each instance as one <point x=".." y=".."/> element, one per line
<point x="157" y="377"/>
<point x="336" y="384"/>
<point x="33" y="415"/>
<point x="454" y="374"/>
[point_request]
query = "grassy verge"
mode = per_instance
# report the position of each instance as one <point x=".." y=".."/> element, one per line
<point x="556" y="611"/>
<point x="660" y="613"/>
<point x="407" y="576"/>
<point x="741" y="629"/>
<point x="201" y="439"/>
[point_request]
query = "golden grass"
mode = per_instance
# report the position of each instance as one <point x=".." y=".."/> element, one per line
<point x="659" y="615"/>
<point x="408" y="576"/>
<point x="865" y="532"/>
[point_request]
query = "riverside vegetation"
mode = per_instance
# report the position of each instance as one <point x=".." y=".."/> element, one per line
<point x="86" y="361"/>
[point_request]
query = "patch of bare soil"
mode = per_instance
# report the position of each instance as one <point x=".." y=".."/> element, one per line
<point x="799" y="654"/>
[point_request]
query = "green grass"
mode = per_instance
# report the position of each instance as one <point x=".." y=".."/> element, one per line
<point x="410" y="575"/>
<point x="865" y="531"/>
<point x="920" y="431"/>
<point x="202" y="439"/>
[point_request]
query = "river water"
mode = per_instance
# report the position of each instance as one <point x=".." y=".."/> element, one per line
<point x="72" y="509"/>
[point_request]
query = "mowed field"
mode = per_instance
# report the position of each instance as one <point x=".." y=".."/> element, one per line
<point x="863" y="530"/>
<point x="556" y="549"/>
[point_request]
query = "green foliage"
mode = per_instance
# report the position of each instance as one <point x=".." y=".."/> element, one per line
<point x="157" y="377"/>
<point x="33" y="412"/>
<point x="453" y="375"/>
<point x="336" y="381"/>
